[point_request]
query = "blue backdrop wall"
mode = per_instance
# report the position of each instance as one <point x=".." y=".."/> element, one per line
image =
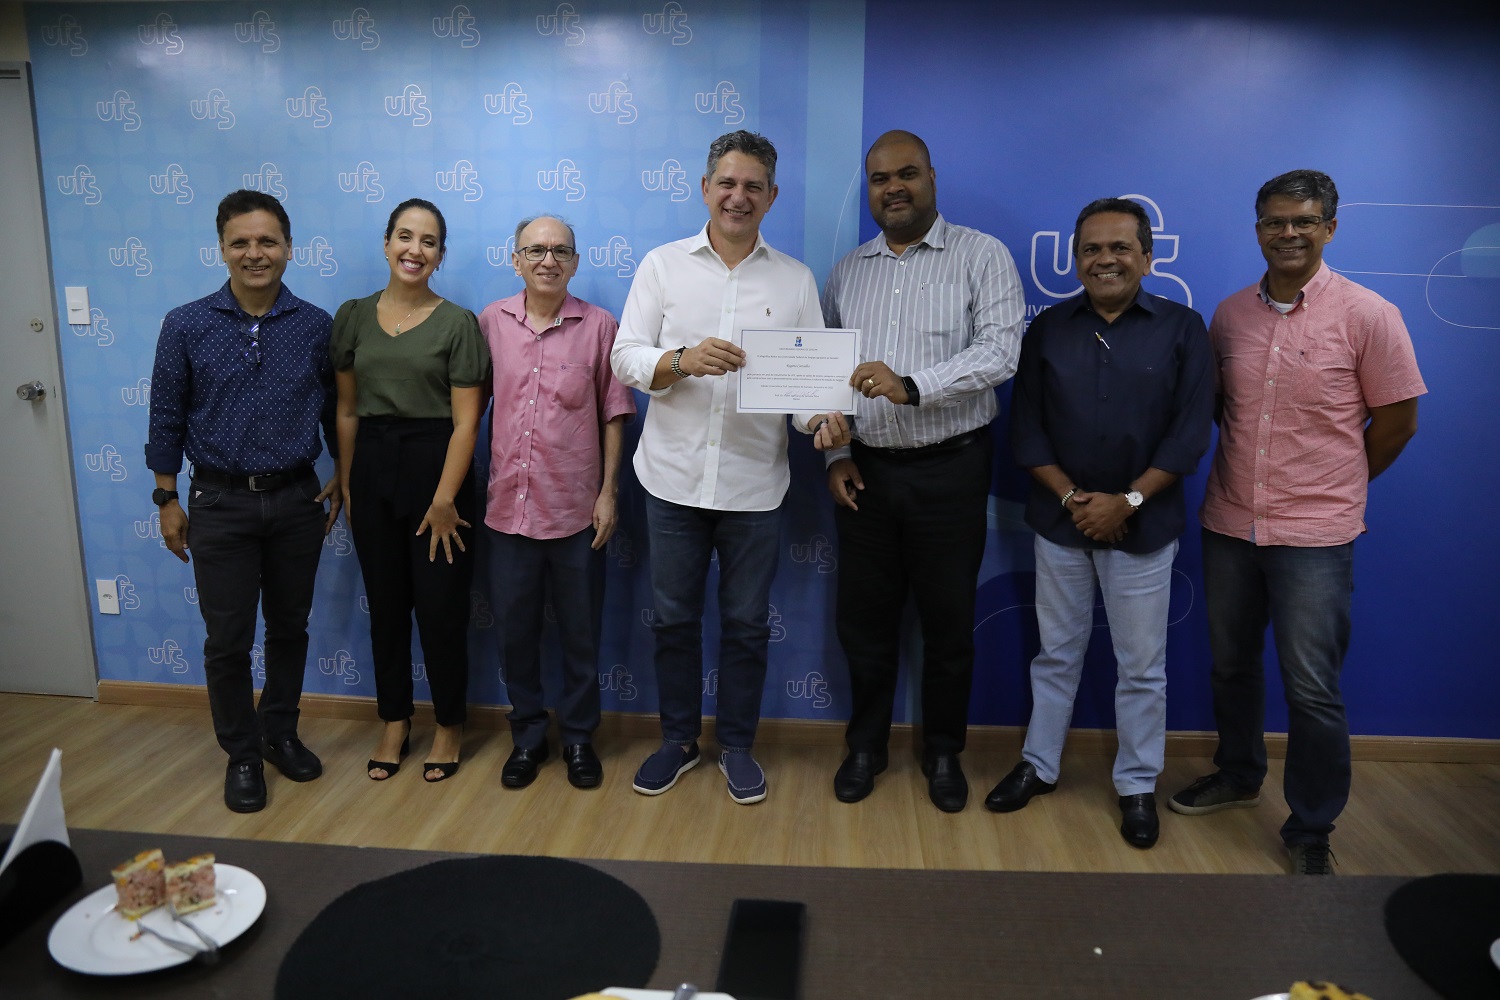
<point x="602" y="112"/>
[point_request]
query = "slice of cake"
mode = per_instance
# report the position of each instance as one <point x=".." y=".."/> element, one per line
<point x="1323" y="991"/>
<point x="190" y="883"/>
<point x="140" y="884"/>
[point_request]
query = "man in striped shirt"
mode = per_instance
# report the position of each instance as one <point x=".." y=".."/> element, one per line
<point x="939" y="308"/>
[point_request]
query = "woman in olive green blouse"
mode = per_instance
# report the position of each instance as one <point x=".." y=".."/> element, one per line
<point x="411" y="369"/>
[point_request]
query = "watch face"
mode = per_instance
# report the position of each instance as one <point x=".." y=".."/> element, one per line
<point x="1134" y="498"/>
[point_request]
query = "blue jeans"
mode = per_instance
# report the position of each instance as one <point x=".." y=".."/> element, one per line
<point x="748" y="544"/>
<point x="522" y="571"/>
<point x="254" y="548"/>
<point x="1304" y="593"/>
<point x="1137" y="590"/>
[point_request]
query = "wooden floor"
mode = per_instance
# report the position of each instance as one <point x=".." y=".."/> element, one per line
<point x="159" y="769"/>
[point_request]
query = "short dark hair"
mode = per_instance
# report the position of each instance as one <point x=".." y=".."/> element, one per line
<point x="243" y="202"/>
<point x="425" y="205"/>
<point x="1123" y="206"/>
<point x="1303" y="185"/>
<point x="751" y="144"/>
<point x="894" y="136"/>
<point x="521" y="227"/>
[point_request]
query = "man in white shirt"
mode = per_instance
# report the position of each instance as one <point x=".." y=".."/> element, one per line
<point x="714" y="478"/>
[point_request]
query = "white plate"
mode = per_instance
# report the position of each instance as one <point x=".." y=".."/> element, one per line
<point x="1495" y="952"/>
<point x="91" y="937"/>
<point x="1275" y="996"/>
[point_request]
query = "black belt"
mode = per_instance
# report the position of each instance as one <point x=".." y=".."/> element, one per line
<point x="956" y="443"/>
<point x="259" y="484"/>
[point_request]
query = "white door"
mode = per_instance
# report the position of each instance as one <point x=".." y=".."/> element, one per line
<point x="46" y="646"/>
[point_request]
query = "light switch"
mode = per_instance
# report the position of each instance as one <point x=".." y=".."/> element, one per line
<point x="109" y="597"/>
<point x="78" y="305"/>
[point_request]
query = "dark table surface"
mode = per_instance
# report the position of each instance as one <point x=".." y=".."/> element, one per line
<point x="870" y="933"/>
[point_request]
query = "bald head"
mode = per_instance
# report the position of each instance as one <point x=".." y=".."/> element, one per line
<point x="899" y="137"/>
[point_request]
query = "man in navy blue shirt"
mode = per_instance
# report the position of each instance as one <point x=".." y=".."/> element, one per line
<point x="1112" y="406"/>
<point x="242" y="381"/>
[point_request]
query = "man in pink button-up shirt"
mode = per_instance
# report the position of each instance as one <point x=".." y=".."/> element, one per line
<point x="555" y="444"/>
<point x="1319" y="388"/>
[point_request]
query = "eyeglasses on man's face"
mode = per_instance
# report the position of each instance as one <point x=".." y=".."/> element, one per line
<point x="1275" y="225"/>
<point x="537" y="253"/>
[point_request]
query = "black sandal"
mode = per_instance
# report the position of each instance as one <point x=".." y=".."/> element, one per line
<point x="390" y="768"/>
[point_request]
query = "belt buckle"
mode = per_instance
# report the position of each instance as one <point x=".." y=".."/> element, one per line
<point x="254" y="483"/>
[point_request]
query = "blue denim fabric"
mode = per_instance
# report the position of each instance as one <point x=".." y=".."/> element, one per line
<point x="1305" y="595"/>
<point x="748" y="544"/>
<point x="1137" y="591"/>
<point x="252" y="548"/>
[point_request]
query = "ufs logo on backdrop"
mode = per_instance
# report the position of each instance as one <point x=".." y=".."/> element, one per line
<point x="119" y="108"/>
<point x="620" y="548"/>
<point x="773" y="619"/>
<point x="106" y="460"/>
<point x="189" y="594"/>
<point x="163" y="32"/>
<point x="621" y="681"/>
<point x="563" y="21"/>
<point x="341" y="664"/>
<point x="458" y="24"/>
<point x="213" y="108"/>
<point x="500" y="256"/>
<point x="66" y="33"/>
<point x="138" y="394"/>
<point x="130" y="600"/>
<point x="410" y="103"/>
<point x="258" y="663"/>
<point x="169" y="655"/>
<point x="151" y="528"/>
<point x="419" y="671"/>
<point x="614" y="100"/>
<point x="615" y="254"/>
<point x="211" y="256"/>
<point x="267" y="179"/>
<point x="1164" y="250"/>
<point x="711" y="683"/>
<point x="172" y="183"/>
<point x="339" y="540"/>
<point x="316" y="253"/>
<point x="671" y="21"/>
<point x="81" y="183"/>
<point x="260" y="29"/>
<point x="480" y="615"/>
<point x="818" y="550"/>
<point x="363" y="179"/>
<point x="813" y="687"/>
<point x="313" y="105"/>
<point x="671" y="177"/>
<point x="132" y="254"/>
<point x="511" y="100"/>
<point x="359" y="27"/>
<point x="722" y="100"/>
<point x="462" y="178"/>
<point x="564" y="177"/>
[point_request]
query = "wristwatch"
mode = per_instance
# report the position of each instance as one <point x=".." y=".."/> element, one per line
<point x="913" y="397"/>
<point x="677" y="363"/>
<point x="1135" y="499"/>
<point x="162" y="497"/>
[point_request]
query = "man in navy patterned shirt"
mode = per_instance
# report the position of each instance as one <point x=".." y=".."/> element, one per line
<point x="241" y="382"/>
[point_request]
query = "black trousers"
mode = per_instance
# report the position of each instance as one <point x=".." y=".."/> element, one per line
<point x="396" y="468"/>
<point x="920" y="530"/>
<point x="254" y="548"/>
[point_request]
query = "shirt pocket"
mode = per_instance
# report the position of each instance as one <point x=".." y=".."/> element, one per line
<point x="941" y="306"/>
<point x="574" y="388"/>
<point x="1321" y="377"/>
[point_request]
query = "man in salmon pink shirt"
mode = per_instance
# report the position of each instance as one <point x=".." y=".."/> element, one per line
<point x="1318" y="384"/>
<point x="555" y="444"/>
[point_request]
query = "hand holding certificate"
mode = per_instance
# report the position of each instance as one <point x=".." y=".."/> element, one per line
<point x="797" y="371"/>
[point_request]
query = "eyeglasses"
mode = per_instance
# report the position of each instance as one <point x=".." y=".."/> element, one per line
<point x="251" y="353"/>
<point x="1274" y="225"/>
<point x="537" y="253"/>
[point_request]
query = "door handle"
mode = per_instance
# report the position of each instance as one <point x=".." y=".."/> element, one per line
<point x="31" y="391"/>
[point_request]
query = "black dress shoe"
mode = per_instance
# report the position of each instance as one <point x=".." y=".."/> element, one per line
<point x="1017" y="788"/>
<point x="584" y="769"/>
<point x="855" y="777"/>
<point x="245" y="787"/>
<point x="1140" y="826"/>
<point x="520" y="767"/>
<point x="946" y="785"/>
<point x="292" y="759"/>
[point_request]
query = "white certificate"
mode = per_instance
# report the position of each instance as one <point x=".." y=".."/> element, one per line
<point x="798" y="371"/>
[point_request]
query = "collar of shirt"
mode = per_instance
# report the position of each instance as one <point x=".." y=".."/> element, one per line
<point x="224" y="301"/>
<point x="934" y="239"/>
<point x="572" y="308"/>
<point x="1310" y="291"/>
<point x="701" y="242"/>
<point x="1080" y="302"/>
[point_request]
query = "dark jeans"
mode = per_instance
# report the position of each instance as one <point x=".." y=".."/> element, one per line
<point x="248" y="549"/>
<point x="396" y="467"/>
<point x="520" y="569"/>
<point x="748" y="544"/>
<point x="920" y="529"/>
<point x="1304" y="593"/>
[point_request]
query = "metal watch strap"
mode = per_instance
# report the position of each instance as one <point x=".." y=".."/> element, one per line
<point x="677" y="363"/>
<point x="1068" y="496"/>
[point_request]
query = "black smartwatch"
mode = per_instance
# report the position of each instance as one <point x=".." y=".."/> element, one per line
<point x="162" y="497"/>
<point x="913" y="396"/>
